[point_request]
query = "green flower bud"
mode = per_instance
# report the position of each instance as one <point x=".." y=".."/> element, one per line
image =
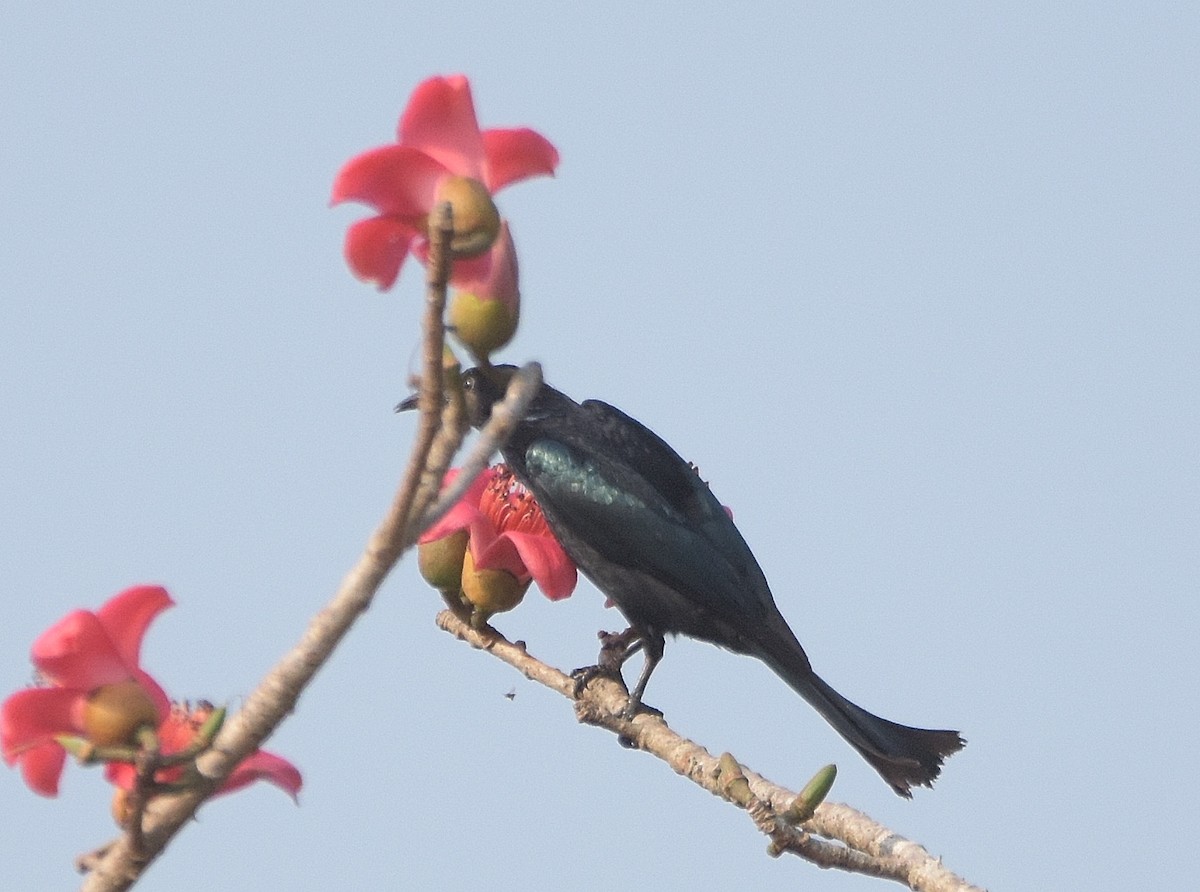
<point x="441" y="561"/>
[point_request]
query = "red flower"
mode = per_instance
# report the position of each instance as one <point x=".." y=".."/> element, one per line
<point x="507" y="531"/>
<point x="94" y="686"/>
<point x="178" y="731"/>
<point x="440" y="155"/>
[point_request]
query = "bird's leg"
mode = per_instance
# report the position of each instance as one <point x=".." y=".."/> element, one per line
<point x="615" y="649"/>
<point x="652" y="645"/>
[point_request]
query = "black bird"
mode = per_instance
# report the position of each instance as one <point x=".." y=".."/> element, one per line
<point x="641" y="524"/>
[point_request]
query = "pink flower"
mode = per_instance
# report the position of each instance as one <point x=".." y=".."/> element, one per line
<point x="94" y="686"/>
<point x="507" y="531"/>
<point x="178" y="731"/>
<point x="440" y="155"/>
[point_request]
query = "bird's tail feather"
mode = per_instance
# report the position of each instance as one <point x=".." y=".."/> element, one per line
<point x="904" y="756"/>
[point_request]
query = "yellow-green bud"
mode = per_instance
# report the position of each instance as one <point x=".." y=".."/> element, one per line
<point x="114" y="712"/>
<point x="483" y="325"/>
<point x="476" y="217"/>
<point x="441" y="561"/>
<point x="491" y="591"/>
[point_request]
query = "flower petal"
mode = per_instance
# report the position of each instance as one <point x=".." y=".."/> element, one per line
<point x="376" y="247"/>
<point x="124" y="775"/>
<point x="127" y="615"/>
<point x="42" y="767"/>
<point x="498" y="553"/>
<point x="396" y="180"/>
<point x="497" y="279"/>
<point x="546" y="562"/>
<point x="85" y="650"/>
<point x="465" y="511"/>
<point x="36" y="714"/>
<point x="440" y="121"/>
<point x="261" y="765"/>
<point x="515" y="155"/>
<point x="176" y="733"/>
<point x="29" y="720"/>
<point x="77" y="652"/>
<point x="162" y="703"/>
<point x="464" y="269"/>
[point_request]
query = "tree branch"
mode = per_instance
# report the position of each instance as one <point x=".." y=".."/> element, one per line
<point x="836" y="835"/>
<point x="118" y="865"/>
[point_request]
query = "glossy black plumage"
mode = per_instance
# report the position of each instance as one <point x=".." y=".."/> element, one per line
<point x="641" y="524"/>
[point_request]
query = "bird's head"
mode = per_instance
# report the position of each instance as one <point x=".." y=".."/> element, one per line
<point x="483" y="387"/>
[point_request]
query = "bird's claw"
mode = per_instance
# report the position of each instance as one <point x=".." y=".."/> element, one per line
<point x="586" y="674"/>
<point x="617" y="647"/>
<point x="633" y="707"/>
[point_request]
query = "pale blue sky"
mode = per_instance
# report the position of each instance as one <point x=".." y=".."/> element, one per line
<point x="915" y="288"/>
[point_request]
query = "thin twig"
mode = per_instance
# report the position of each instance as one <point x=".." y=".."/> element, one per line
<point x="118" y="866"/>
<point x="506" y="415"/>
<point x="851" y="840"/>
<point x="419" y="485"/>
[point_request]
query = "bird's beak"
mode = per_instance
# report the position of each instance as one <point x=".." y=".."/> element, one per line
<point x="408" y="404"/>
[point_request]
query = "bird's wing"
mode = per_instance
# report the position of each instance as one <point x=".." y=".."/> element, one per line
<point x="652" y="459"/>
<point x="618" y="487"/>
<point x="678" y="482"/>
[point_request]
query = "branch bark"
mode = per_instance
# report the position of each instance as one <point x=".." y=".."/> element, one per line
<point x="836" y="836"/>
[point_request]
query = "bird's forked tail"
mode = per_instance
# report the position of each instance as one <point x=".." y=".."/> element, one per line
<point x="904" y="756"/>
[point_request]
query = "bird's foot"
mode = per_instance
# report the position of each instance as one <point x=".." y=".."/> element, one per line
<point x="617" y="647"/>
<point x="586" y="674"/>
<point x="633" y="707"/>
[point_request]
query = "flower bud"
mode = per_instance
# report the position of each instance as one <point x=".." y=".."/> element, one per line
<point x="476" y="217"/>
<point x="113" y="713"/>
<point x="482" y="324"/>
<point x="491" y="591"/>
<point x="441" y="561"/>
<point x="804" y="806"/>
